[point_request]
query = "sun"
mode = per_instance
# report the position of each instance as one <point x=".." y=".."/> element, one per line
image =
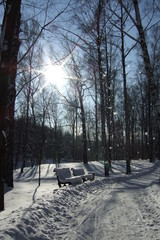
<point x="55" y="75"/>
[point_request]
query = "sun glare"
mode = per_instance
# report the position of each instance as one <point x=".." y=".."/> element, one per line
<point x="55" y="75"/>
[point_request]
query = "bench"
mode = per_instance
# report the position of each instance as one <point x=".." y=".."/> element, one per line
<point x="80" y="172"/>
<point x="64" y="176"/>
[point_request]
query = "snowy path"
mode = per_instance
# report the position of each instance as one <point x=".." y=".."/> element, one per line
<point x="117" y="208"/>
<point x="114" y="213"/>
<point x="118" y="211"/>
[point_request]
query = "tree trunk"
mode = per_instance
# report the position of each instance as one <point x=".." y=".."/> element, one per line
<point x="149" y="74"/>
<point x="84" y="134"/>
<point x="8" y="67"/>
<point x="108" y="101"/>
<point x="127" y="133"/>
<point x="73" y="140"/>
<point x="102" y="87"/>
<point x="96" y="118"/>
<point x="25" y="143"/>
<point x="2" y="155"/>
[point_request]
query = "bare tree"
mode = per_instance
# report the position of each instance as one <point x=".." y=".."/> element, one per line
<point x="147" y="63"/>
<point x="126" y="110"/>
<point x="79" y="86"/>
<point x="149" y="73"/>
<point x="99" y="14"/>
<point x="9" y="47"/>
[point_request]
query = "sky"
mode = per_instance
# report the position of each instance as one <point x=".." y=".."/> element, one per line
<point x="31" y="9"/>
<point x="112" y="208"/>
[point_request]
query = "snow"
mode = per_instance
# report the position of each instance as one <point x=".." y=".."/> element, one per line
<point x="116" y="207"/>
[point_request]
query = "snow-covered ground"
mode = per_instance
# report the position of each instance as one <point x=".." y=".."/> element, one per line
<point x="116" y="207"/>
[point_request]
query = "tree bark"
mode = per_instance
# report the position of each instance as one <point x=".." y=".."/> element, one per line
<point x="96" y="117"/>
<point x="2" y="155"/>
<point x="127" y="133"/>
<point x="149" y="74"/>
<point x="8" y="68"/>
<point x="102" y="86"/>
<point x="108" y="101"/>
<point x="84" y="134"/>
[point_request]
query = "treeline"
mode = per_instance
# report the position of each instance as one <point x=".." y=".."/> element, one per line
<point x="110" y="53"/>
<point x="59" y="144"/>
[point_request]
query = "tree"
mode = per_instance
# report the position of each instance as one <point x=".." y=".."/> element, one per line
<point x="72" y="117"/>
<point x="126" y="110"/>
<point x="99" y="14"/>
<point x="31" y="87"/>
<point x="149" y="73"/>
<point x="2" y="155"/>
<point x="8" y="67"/>
<point x="9" y="48"/>
<point x="79" y="86"/>
<point x="148" y="68"/>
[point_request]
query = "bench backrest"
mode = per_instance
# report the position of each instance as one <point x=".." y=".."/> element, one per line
<point x="63" y="173"/>
<point x="78" y="171"/>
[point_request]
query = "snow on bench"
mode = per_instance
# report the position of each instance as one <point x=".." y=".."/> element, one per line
<point x="80" y="172"/>
<point x="64" y="176"/>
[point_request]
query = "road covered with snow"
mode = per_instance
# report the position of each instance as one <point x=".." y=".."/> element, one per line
<point x="121" y="210"/>
<point x="118" y="207"/>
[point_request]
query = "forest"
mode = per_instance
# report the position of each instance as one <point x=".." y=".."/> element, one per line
<point x="79" y="81"/>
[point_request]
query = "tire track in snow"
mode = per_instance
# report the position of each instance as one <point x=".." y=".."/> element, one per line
<point x="114" y="214"/>
<point x="149" y="213"/>
<point x="87" y="220"/>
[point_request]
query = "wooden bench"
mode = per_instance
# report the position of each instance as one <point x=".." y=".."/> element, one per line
<point x="64" y="176"/>
<point x="80" y="172"/>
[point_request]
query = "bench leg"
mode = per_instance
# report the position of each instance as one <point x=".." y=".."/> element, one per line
<point x="59" y="183"/>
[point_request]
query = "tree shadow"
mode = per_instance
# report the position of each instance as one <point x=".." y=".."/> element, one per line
<point x="34" y="194"/>
<point x="30" y="173"/>
<point x="98" y="170"/>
